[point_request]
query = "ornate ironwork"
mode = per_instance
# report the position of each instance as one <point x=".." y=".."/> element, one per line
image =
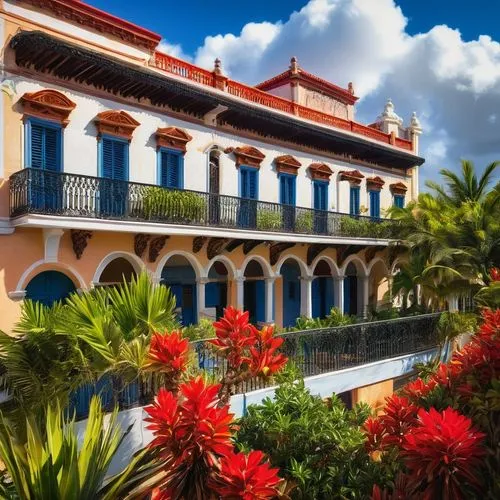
<point x="79" y="239"/>
<point x="35" y="191"/>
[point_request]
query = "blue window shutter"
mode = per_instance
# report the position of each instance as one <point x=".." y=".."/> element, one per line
<point x="163" y="169"/>
<point x="287" y="189"/>
<point x="173" y="170"/>
<point x="37" y="133"/>
<point x="114" y="159"/>
<point x="354" y="201"/>
<point x="252" y="183"/>
<point x="244" y="182"/>
<point x="399" y="201"/>
<point x="45" y="147"/>
<point x="375" y="204"/>
<point x="320" y="195"/>
<point x="283" y="198"/>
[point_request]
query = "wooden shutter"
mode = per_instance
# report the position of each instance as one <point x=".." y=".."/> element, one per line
<point x="375" y="204"/>
<point x="45" y="147"/>
<point x="114" y="159"/>
<point x="354" y="201"/>
<point x="252" y="184"/>
<point x="37" y="133"/>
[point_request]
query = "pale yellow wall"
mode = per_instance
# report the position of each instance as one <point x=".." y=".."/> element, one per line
<point x="373" y="394"/>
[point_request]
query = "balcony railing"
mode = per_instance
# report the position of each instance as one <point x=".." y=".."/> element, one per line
<point x="313" y="351"/>
<point x="35" y="191"/>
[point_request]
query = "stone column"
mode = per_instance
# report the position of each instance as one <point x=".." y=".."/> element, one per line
<point x="338" y="292"/>
<point x="200" y="297"/>
<point x="306" y="296"/>
<point x="363" y="295"/>
<point x="240" y="291"/>
<point x="269" y="315"/>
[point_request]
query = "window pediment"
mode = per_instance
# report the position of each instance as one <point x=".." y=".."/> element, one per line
<point x="287" y="164"/>
<point x="398" y="188"/>
<point x="374" y="183"/>
<point x="172" y="137"/>
<point x="48" y="104"/>
<point x="247" y="155"/>
<point x="352" y="176"/>
<point x="320" y="171"/>
<point x="116" y="123"/>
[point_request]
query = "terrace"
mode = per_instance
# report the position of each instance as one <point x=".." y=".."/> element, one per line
<point x="42" y="192"/>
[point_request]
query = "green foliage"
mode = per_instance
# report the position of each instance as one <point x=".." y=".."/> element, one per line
<point x="333" y="319"/>
<point x="50" y="466"/>
<point x="318" y="446"/>
<point x="367" y="228"/>
<point x="452" y="324"/>
<point x="203" y="330"/>
<point x="489" y="296"/>
<point x="304" y="222"/>
<point x="176" y="205"/>
<point x="268" y="220"/>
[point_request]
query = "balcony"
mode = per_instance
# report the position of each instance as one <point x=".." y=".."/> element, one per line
<point x="34" y="191"/>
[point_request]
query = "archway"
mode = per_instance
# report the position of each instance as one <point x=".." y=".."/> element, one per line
<point x="49" y="287"/>
<point x="116" y="272"/>
<point x="351" y="290"/>
<point x="254" y="291"/>
<point x="216" y="290"/>
<point x="178" y="274"/>
<point x="378" y="296"/>
<point x="290" y="271"/>
<point x="322" y="290"/>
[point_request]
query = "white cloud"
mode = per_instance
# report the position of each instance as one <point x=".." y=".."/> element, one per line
<point x="453" y="85"/>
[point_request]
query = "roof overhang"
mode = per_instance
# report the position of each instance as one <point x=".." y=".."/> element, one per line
<point x="46" y="54"/>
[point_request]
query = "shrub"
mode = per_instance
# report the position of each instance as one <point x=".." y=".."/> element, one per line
<point x="333" y="319"/>
<point x="268" y="220"/>
<point x="367" y="228"/>
<point x="174" y="205"/>
<point x="203" y="330"/>
<point x="304" y="222"/>
<point x="317" y="445"/>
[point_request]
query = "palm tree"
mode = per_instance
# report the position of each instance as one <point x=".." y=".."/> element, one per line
<point x="466" y="188"/>
<point x="50" y="465"/>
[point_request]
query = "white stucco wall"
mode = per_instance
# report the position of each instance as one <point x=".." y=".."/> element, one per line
<point x="80" y="153"/>
<point x="87" y="35"/>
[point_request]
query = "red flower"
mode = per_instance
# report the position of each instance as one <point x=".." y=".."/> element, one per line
<point x="246" y="477"/>
<point x="399" y="416"/>
<point x="495" y="274"/>
<point x="191" y="433"/>
<point x="442" y="453"/>
<point x="418" y="389"/>
<point x="234" y="334"/>
<point x="263" y="361"/>
<point x="169" y="352"/>
<point x="375" y="432"/>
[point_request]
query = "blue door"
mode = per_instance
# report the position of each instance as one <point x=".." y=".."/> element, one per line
<point x="291" y="294"/>
<point x="181" y="280"/>
<point x="320" y="206"/>
<point x="351" y="295"/>
<point x="114" y="173"/>
<point x="254" y="300"/>
<point x="216" y="296"/>
<point x="44" y="154"/>
<point x="322" y="296"/>
<point x="49" y="287"/>
<point x="249" y="187"/>
<point x="287" y="199"/>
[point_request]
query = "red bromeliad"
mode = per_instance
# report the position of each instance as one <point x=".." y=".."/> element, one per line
<point x="263" y="360"/>
<point x="400" y="415"/>
<point x="442" y="453"/>
<point x="418" y="389"/>
<point x="495" y="274"/>
<point x="168" y="352"/>
<point x="246" y="477"/>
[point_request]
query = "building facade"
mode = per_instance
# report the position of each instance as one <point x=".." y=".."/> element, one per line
<point x="116" y="157"/>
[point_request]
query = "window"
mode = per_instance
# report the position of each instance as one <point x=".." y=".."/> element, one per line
<point x="171" y="168"/>
<point x="354" y="200"/>
<point x="43" y="145"/>
<point x="287" y="189"/>
<point x="399" y="200"/>
<point x="114" y="158"/>
<point x="375" y="204"/>
<point x="320" y="195"/>
<point x="249" y="183"/>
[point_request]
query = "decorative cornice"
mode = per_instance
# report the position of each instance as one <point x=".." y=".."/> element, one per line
<point x="374" y="183"/>
<point x="352" y="176"/>
<point x="398" y="188"/>
<point x="247" y="155"/>
<point x="320" y="171"/>
<point x="117" y="123"/>
<point x="287" y="164"/>
<point x="172" y="137"/>
<point x="82" y="14"/>
<point x="48" y="104"/>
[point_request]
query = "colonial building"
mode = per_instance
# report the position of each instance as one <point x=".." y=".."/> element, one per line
<point x="116" y="157"/>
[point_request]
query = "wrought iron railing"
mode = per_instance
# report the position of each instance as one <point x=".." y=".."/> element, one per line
<point x="313" y="351"/>
<point x="35" y="191"/>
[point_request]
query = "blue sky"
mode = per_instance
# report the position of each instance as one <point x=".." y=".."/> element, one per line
<point x="440" y="58"/>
